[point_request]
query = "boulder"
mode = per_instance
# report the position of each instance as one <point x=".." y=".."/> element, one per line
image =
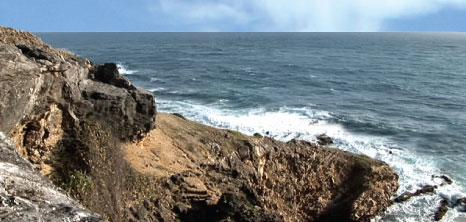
<point x="324" y="140"/>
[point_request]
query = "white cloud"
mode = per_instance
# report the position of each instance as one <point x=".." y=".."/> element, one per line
<point x="300" y="15"/>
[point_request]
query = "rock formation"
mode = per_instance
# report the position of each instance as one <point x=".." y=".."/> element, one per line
<point x="25" y="195"/>
<point x="219" y="174"/>
<point x="92" y="132"/>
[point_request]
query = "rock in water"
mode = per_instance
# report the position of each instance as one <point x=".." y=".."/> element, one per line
<point x="442" y="210"/>
<point x="324" y="140"/>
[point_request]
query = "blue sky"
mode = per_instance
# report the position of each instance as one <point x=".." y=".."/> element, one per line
<point x="234" y="15"/>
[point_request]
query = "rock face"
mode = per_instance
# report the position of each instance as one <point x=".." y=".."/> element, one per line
<point x="46" y="97"/>
<point x="25" y="195"/>
<point x="92" y="132"/>
<point x="52" y="102"/>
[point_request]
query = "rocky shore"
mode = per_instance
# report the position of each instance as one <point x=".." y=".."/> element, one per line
<point x="96" y="138"/>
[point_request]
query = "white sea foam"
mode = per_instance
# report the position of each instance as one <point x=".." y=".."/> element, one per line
<point x="123" y="69"/>
<point x="158" y="89"/>
<point x="414" y="169"/>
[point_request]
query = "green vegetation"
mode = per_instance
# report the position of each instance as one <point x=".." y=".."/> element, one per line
<point x="235" y="132"/>
<point x="78" y="184"/>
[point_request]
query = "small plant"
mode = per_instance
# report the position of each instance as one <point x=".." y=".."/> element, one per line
<point x="78" y="184"/>
<point x="235" y="132"/>
<point x="364" y="156"/>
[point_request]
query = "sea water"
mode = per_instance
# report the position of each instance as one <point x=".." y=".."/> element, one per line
<point x="396" y="97"/>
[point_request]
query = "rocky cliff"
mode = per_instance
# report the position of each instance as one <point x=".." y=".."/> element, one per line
<point x="92" y="133"/>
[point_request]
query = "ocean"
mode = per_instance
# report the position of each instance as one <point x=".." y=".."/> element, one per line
<point x="396" y="97"/>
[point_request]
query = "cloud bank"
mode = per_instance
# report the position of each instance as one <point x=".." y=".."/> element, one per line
<point x="296" y="15"/>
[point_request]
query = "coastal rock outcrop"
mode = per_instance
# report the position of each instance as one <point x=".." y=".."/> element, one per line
<point x="266" y="179"/>
<point x="94" y="134"/>
<point x="55" y="106"/>
<point x="47" y="97"/>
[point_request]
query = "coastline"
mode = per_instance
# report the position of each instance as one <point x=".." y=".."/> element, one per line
<point x="90" y="131"/>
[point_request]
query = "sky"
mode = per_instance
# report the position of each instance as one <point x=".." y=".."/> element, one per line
<point x="234" y="15"/>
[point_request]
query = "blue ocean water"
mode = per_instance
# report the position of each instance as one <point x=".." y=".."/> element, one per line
<point x="397" y="97"/>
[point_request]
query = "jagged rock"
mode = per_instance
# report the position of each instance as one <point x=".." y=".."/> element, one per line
<point x="442" y="210"/>
<point x="64" y="91"/>
<point x="407" y="195"/>
<point x="324" y="139"/>
<point x="28" y="196"/>
<point x="446" y="179"/>
<point x="425" y="189"/>
<point x="108" y="73"/>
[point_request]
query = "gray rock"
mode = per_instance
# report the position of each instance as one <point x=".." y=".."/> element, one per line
<point x="28" y="196"/>
<point x="79" y="89"/>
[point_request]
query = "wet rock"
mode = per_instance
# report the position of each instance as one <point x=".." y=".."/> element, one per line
<point x="461" y="204"/>
<point x="324" y="140"/>
<point x="446" y="179"/>
<point x="425" y="189"/>
<point x="404" y="197"/>
<point x="442" y="210"/>
<point x="407" y="195"/>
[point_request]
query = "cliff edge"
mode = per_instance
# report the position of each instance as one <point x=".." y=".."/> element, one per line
<point x="94" y="135"/>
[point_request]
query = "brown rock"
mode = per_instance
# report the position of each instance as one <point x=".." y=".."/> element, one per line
<point x="442" y="210"/>
<point x="324" y="139"/>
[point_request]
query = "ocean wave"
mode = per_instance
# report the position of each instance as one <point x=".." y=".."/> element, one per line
<point x="286" y="123"/>
<point x="158" y="89"/>
<point x="122" y="69"/>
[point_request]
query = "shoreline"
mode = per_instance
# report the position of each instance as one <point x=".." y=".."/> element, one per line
<point x="75" y="122"/>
